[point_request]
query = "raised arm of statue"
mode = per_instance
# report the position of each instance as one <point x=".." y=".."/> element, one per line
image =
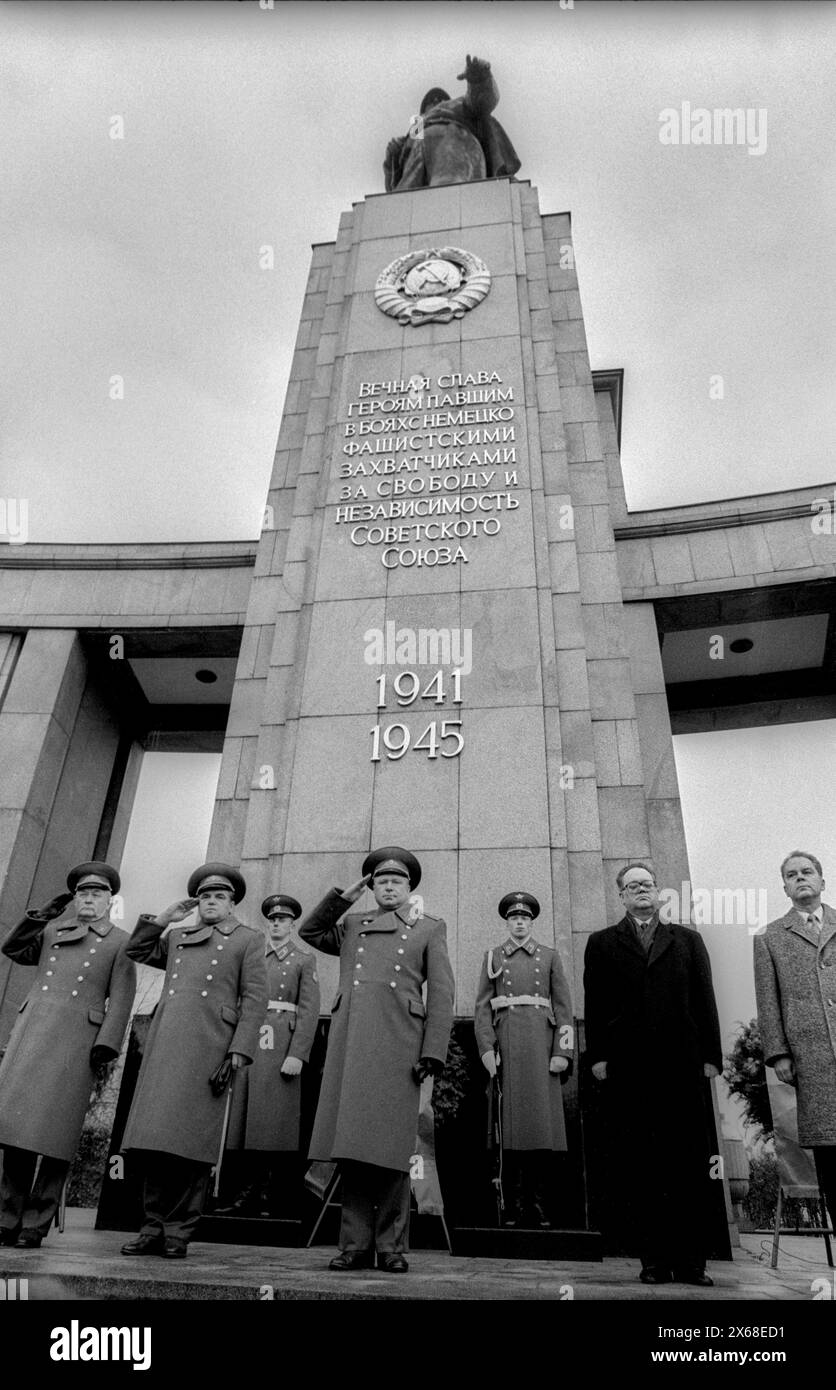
<point x="482" y="92"/>
<point x="453" y="139"/>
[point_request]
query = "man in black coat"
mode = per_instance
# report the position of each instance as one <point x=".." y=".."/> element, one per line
<point x="653" y="1036"/>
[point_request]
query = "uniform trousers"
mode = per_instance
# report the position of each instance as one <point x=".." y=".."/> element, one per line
<point x="375" y="1208"/>
<point x="825" y="1156"/>
<point x="527" y="1173"/>
<point x="173" y="1194"/>
<point x="250" y="1176"/>
<point x="25" y="1205"/>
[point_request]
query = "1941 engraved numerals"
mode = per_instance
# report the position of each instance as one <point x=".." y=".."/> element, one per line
<point x="396" y="738"/>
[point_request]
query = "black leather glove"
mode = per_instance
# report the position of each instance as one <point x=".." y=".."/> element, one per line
<point x="56" y="907"/>
<point x="427" y="1066"/>
<point x="101" y="1056"/>
<point x="219" y="1080"/>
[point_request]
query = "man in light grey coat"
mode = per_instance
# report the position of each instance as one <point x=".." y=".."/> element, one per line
<point x="795" y="984"/>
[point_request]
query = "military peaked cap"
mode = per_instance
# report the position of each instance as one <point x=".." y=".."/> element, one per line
<point x="519" y="902"/>
<point x="391" y="859"/>
<point x="217" y="876"/>
<point x="95" y="874"/>
<point x="281" y="900"/>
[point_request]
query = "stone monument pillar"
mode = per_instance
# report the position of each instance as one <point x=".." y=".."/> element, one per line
<point x="436" y="652"/>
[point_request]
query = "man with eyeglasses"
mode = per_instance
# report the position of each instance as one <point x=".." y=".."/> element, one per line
<point x="653" y="1036"/>
<point x="795" y="985"/>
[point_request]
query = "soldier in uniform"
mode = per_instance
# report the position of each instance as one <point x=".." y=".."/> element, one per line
<point x="70" y="1025"/>
<point x="212" y="1004"/>
<point x="383" y="1042"/>
<point x="454" y="140"/>
<point x="266" y="1107"/>
<point x="524" y="1011"/>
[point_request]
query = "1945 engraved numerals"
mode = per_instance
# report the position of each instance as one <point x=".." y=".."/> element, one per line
<point x="441" y="737"/>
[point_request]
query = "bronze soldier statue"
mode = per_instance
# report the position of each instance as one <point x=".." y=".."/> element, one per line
<point x="454" y="139"/>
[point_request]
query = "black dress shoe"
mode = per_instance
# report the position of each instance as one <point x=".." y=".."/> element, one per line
<point x="539" y="1217"/>
<point x="652" y="1274"/>
<point x="175" y="1249"/>
<point x="8" y="1236"/>
<point x="693" y="1276"/>
<point x="28" y="1240"/>
<point x="392" y="1262"/>
<point x="144" y="1245"/>
<point x="245" y="1204"/>
<point x="352" y="1259"/>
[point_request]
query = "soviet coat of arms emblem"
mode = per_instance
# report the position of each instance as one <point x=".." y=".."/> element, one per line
<point x="432" y="286"/>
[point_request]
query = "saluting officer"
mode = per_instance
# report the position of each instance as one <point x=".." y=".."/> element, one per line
<point x="523" y="1009"/>
<point x="212" y="1004"/>
<point x="266" y="1106"/>
<point x="384" y="1040"/>
<point x="71" y="1023"/>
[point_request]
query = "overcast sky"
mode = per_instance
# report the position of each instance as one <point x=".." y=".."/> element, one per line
<point x="243" y="127"/>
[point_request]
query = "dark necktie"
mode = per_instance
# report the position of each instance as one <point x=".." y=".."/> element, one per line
<point x="646" y="932"/>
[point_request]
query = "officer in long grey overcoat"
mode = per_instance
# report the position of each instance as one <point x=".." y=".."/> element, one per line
<point x="524" y="1013"/>
<point x="384" y="1041"/>
<point x="213" y="1002"/>
<point x="795" y="986"/>
<point x="71" y="1024"/>
<point x="266" y="1107"/>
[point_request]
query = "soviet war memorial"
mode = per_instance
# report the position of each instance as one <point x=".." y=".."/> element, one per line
<point x="415" y="840"/>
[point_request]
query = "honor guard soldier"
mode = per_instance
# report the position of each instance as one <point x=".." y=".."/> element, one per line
<point x="70" y="1025"/>
<point x="524" y="1011"/>
<point x="266" y="1106"/>
<point x="383" y="1042"/>
<point x="213" y="1002"/>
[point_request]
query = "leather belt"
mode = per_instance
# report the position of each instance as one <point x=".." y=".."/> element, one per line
<point x="277" y="1005"/>
<point x="508" y="1001"/>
